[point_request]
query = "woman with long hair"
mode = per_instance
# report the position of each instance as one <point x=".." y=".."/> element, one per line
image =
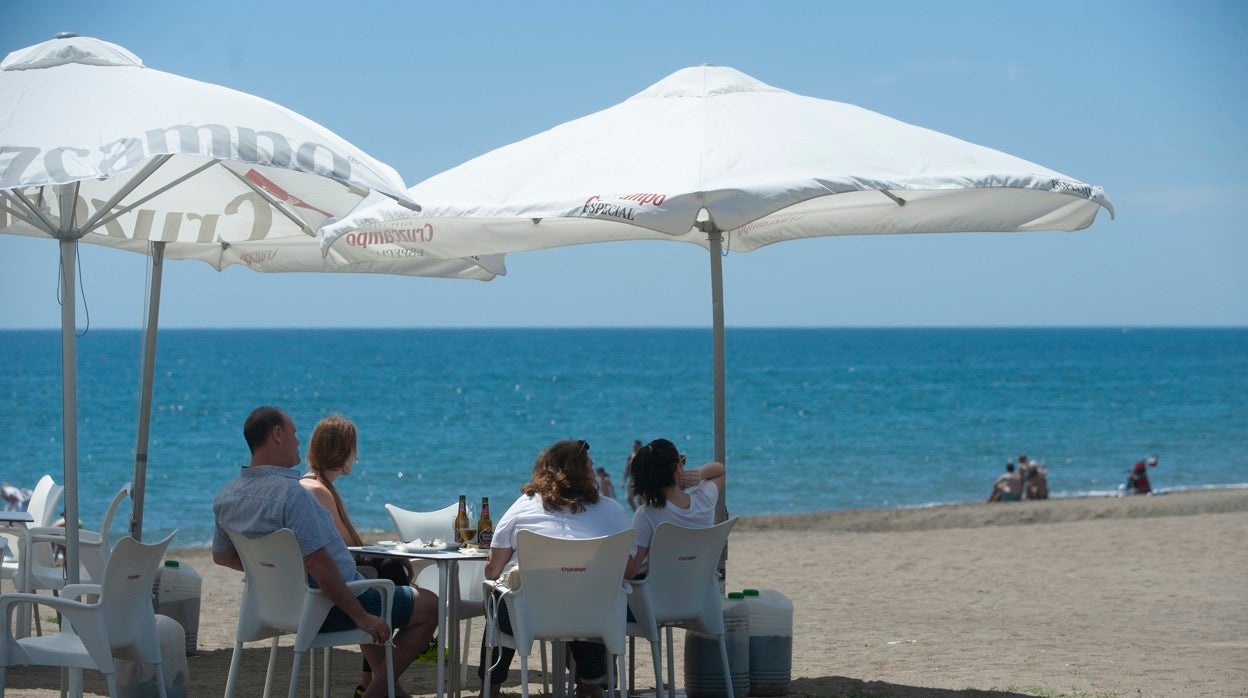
<point x="560" y="500"/>
<point x="332" y="452"/>
<point x="667" y="491"/>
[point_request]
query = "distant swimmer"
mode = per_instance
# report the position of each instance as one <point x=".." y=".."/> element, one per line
<point x="1137" y="481"/>
<point x="1008" y="487"/>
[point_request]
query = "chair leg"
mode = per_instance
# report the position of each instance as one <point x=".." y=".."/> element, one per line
<point x="656" y="654"/>
<point x="294" y="675"/>
<point x="546" y="685"/>
<point x="112" y="685"/>
<point x="671" y="663"/>
<point x="160" y="681"/>
<point x="268" y="676"/>
<point x="632" y="663"/>
<point x="389" y="670"/>
<point x="524" y="675"/>
<point x="312" y="673"/>
<point x="329" y="655"/>
<point x="723" y="653"/>
<point x="463" y="651"/>
<point x="231" y="679"/>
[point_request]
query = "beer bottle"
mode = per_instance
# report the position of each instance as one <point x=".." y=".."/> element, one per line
<point x="461" y="518"/>
<point x="485" y="527"/>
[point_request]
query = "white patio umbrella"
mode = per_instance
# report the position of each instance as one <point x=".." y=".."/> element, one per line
<point x="709" y="154"/>
<point x="97" y="147"/>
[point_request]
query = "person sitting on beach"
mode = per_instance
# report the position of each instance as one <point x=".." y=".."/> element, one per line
<point x="332" y="452"/>
<point x="659" y="482"/>
<point x="561" y="500"/>
<point x="1008" y="487"/>
<point x="266" y="497"/>
<point x="1035" y="481"/>
<point x="1137" y="481"/>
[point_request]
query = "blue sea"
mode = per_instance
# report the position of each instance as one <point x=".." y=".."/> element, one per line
<point x="818" y="419"/>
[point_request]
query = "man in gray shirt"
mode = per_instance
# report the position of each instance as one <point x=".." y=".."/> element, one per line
<point x="266" y="497"/>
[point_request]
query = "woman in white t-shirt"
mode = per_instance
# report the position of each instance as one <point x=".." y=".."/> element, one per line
<point x="561" y="500"/>
<point x="659" y="482"/>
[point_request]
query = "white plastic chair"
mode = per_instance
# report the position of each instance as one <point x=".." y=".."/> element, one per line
<point x="681" y="590"/>
<point x="118" y="622"/>
<point x="571" y="590"/>
<point x="428" y="525"/>
<point x="43" y="573"/>
<point x="278" y="601"/>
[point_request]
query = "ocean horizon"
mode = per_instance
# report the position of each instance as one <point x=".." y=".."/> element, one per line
<point x="817" y="418"/>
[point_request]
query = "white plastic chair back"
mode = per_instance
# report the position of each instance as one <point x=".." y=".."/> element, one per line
<point x="562" y="580"/>
<point x="681" y="589"/>
<point x="127" y="591"/>
<point x="43" y="501"/>
<point x="278" y="601"/>
<point x="683" y="578"/>
<point x="426" y="525"/>
<point x="275" y="579"/>
<point x="94" y="545"/>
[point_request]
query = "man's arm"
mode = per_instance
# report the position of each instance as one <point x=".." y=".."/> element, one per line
<point x="228" y="559"/>
<point x="322" y="568"/>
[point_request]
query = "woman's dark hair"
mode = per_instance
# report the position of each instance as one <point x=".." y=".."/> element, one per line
<point x="563" y="478"/>
<point x="654" y="469"/>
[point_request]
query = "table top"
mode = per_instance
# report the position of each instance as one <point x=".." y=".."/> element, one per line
<point x="16" y="517"/>
<point x="434" y="554"/>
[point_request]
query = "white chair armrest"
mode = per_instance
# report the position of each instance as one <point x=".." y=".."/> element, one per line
<point x="75" y="591"/>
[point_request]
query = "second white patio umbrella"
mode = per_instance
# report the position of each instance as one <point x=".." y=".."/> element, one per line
<point x="96" y="145"/>
<point x="709" y="154"/>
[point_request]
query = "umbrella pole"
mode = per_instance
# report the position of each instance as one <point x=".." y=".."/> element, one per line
<point x="714" y="237"/>
<point x="145" y="391"/>
<point x="69" y="406"/>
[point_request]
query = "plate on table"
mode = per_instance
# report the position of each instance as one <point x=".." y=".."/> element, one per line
<point x="431" y="547"/>
<point x="474" y="552"/>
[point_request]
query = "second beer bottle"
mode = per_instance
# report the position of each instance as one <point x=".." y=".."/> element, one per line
<point x="485" y="527"/>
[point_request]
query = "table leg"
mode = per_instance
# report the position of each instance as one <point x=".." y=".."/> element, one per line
<point x="452" y="622"/>
<point x="443" y="590"/>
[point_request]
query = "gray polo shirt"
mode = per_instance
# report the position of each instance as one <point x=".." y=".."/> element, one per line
<point x="266" y="498"/>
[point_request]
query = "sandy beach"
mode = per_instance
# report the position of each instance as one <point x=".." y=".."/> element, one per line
<point x="1140" y="596"/>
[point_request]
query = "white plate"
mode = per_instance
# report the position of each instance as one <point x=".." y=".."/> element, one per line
<point x="388" y="544"/>
<point x="449" y="547"/>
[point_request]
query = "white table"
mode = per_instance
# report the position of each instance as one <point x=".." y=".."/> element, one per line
<point x="448" y="597"/>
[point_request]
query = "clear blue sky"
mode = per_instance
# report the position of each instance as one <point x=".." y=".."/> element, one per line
<point x="1146" y="99"/>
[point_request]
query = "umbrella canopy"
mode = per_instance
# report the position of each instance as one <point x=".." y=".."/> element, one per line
<point x="97" y="146"/>
<point x="708" y="154"/>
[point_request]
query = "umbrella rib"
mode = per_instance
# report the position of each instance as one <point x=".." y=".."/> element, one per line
<point x="307" y="229"/>
<point x="126" y="209"/>
<point x="147" y="171"/>
<point x="900" y="201"/>
<point x="48" y="226"/>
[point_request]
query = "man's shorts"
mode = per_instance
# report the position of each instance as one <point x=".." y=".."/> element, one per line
<point x="400" y="610"/>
